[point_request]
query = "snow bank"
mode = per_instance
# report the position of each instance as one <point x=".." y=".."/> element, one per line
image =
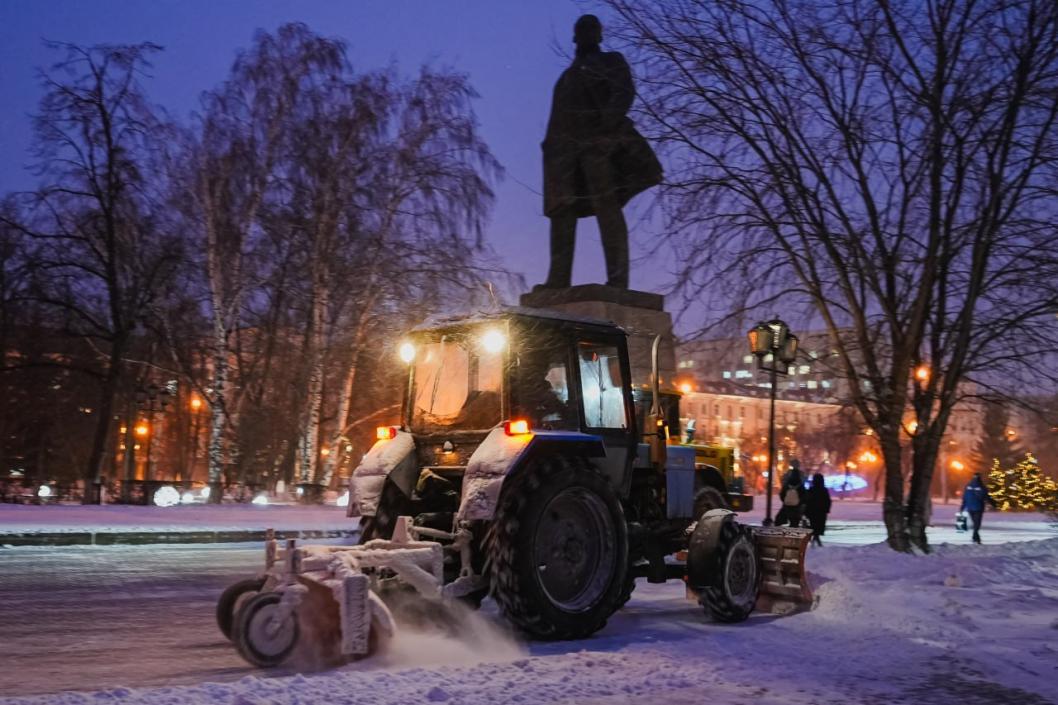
<point x="200" y="517"/>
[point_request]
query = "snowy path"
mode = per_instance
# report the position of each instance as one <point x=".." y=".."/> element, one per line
<point x="968" y="625"/>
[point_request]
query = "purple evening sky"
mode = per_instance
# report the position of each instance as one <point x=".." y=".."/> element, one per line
<point x="511" y="50"/>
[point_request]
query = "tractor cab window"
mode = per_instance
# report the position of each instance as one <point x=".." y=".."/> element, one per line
<point x="602" y="386"/>
<point x="457" y="386"/>
<point x="541" y="388"/>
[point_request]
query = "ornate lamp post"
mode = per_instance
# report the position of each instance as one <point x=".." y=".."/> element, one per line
<point x="151" y="399"/>
<point x="773" y="345"/>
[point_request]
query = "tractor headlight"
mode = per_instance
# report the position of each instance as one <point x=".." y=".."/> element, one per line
<point x="493" y="341"/>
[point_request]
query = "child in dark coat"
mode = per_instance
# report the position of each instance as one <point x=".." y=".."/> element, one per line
<point x="817" y="506"/>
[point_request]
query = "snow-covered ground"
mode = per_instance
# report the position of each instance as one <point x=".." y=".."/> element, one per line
<point x="967" y="624"/>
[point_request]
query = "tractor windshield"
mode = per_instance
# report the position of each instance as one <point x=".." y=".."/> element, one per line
<point x="457" y="383"/>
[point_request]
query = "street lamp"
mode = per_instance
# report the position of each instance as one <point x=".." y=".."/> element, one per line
<point x="773" y="344"/>
<point x="151" y="399"/>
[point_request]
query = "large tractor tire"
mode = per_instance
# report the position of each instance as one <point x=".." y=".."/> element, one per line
<point x="265" y="634"/>
<point x="232" y="599"/>
<point x="558" y="550"/>
<point x="723" y="567"/>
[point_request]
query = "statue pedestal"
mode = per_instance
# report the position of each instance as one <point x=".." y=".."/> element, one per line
<point x="640" y="313"/>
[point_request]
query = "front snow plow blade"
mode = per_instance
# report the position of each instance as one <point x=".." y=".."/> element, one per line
<point x="323" y="605"/>
<point x="784" y="585"/>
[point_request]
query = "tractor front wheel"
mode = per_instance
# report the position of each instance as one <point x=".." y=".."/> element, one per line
<point x="723" y="567"/>
<point x="558" y="549"/>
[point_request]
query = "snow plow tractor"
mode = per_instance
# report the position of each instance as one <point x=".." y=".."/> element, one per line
<point x="519" y="470"/>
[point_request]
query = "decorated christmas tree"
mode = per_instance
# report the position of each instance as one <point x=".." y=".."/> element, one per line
<point x="1023" y="487"/>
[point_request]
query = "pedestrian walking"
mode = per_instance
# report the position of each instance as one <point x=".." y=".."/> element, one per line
<point x="974" y="497"/>
<point x="817" y="507"/>
<point x="792" y="496"/>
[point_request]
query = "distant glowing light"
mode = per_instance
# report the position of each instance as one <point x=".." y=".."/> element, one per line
<point x="957" y="465"/>
<point x="44" y="492"/>
<point x="196" y="403"/>
<point x="493" y="341"/>
<point x="845" y="483"/>
<point x="300" y="491"/>
<point x="343" y="500"/>
<point x="922" y="373"/>
<point x="187" y="498"/>
<point x="262" y="499"/>
<point x="167" y="496"/>
<point x="142" y="430"/>
<point x="385" y="433"/>
<point x="204" y="492"/>
<point x="325" y="452"/>
<point x="406" y="352"/>
<point x="685" y="388"/>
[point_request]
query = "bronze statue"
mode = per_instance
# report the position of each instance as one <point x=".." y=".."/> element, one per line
<point x="594" y="159"/>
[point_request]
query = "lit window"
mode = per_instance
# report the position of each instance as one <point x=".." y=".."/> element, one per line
<point x="791" y="370"/>
<point x="726" y="374"/>
<point x="803" y="369"/>
<point x="825" y="384"/>
<point x="743" y="374"/>
<point x="812" y="384"/>
<point x="747" y="359"/>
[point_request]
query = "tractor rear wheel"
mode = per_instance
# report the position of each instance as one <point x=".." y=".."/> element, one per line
<point x="558" y="550"/>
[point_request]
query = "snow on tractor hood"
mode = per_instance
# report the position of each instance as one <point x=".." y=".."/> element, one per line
<point x="499" y="455"/>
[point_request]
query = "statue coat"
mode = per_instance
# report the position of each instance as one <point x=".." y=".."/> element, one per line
<point x="589" y="120"/>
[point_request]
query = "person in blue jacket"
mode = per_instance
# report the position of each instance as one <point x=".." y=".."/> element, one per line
<point x="973" y="503"/>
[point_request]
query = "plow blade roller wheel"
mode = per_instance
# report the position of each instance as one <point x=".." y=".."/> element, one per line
<point x="232" y="599"/>
<point x="265" y="632"/>
<point x="784" y="585"/>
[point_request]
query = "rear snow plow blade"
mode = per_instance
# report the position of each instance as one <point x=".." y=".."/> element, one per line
<point x="784" y="586"/>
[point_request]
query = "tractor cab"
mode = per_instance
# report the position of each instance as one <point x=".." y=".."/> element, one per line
<point x="543" y="376"/>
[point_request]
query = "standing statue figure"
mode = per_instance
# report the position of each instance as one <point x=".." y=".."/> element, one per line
<point x="594" y="159"/>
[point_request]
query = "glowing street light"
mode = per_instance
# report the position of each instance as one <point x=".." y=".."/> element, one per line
<point x="142" y="429"/>
<point x="922" y="373"/>
<point x="773" y="343"/>
<point x="957" y="465"/>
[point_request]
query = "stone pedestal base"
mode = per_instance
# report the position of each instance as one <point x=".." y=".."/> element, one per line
<point x="640" y="313"/>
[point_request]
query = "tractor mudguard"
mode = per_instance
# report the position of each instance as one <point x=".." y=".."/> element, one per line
<point x="393" y="458"/>
<point x="499" y="455"/>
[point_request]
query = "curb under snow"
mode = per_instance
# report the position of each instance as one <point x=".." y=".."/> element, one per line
<point x="115" y="538"/>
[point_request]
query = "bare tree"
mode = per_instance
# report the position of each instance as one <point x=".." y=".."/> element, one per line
<point x="234" y="150"/>
<point x="100" y="260"/>
<point x="893" y="164"/>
